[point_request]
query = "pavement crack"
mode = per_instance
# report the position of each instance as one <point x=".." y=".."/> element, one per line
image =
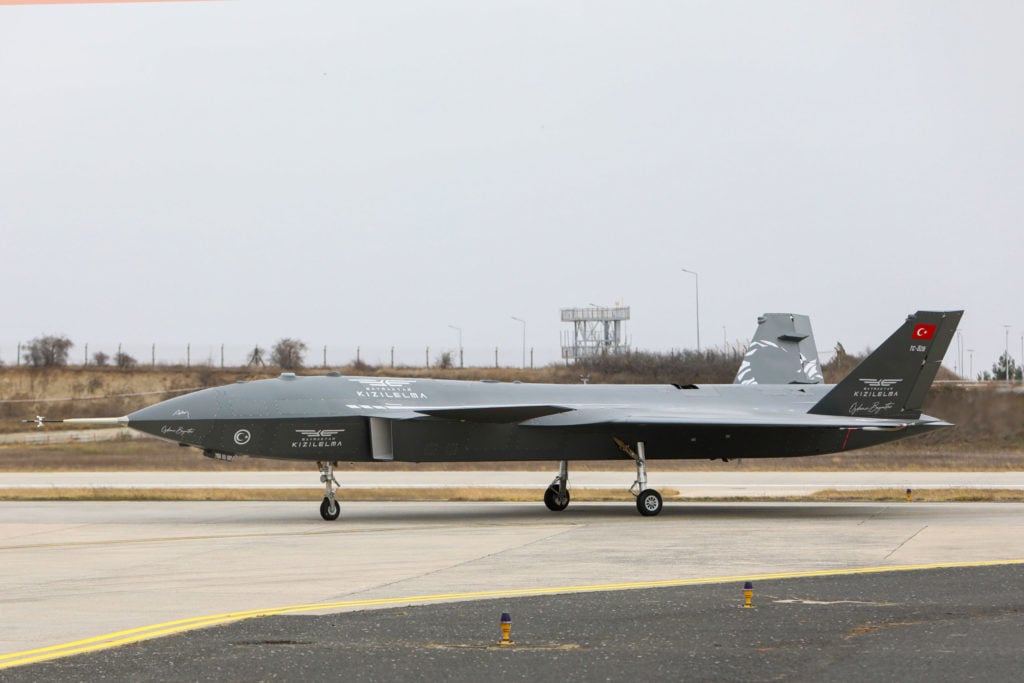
<point x="455" y="565"/>
<point x="872" y="518"/>
<point x="905" y="541"/>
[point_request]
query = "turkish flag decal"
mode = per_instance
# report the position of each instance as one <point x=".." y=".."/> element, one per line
<point x="924" y="331"/>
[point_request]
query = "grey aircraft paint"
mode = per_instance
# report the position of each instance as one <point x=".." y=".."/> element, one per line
<point x="781" y="352"/>
<point x="332" y="418"/>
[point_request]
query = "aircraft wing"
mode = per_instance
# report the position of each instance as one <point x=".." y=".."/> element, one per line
<point x="545" y="415"/>
<point x="618" y="416"/>
<point x="550" y="415"/>
<point x="493" y="414"/>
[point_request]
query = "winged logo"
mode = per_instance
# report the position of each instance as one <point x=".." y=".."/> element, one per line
<point x="881" y="383"/>
<point x="318" y="433"/>
<point x="384" y="383"/>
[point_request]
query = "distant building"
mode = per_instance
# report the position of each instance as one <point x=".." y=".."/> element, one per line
<point x="596" y="331"/>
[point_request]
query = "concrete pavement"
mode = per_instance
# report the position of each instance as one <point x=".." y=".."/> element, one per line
<point x="689" y="484"/>
<point x="76" y="570"/>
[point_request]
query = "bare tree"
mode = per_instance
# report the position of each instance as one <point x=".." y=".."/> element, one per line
<point x="288" y="354"/>
<point x="48" y="351"/>
<point x="100" y="359"/>
<point x="123" y="360"/>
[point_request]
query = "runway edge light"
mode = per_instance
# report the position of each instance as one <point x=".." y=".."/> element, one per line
<point x="748" y="594"/>
<point x="506" y="629"/>
<point x="910" y="494"/>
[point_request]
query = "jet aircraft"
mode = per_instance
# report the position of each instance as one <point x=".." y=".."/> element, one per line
<point x="775" y="408"/>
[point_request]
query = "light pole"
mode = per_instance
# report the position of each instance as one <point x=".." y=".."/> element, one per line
<point x="696" y="296"/>
<point x="1006" y="355"/>
<point x="960" y="352"/>
<point x="524" y="339"/>
<point x="970" y="354"/>
<point x="459" y="330"/>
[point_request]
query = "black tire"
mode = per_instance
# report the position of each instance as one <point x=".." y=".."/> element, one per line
<point x="649" y="502"/>
<point x="554" y="501"/>
<point x="329" y="509"/>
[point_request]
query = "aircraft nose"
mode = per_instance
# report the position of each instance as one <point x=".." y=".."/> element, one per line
<point x="184" y="419"/>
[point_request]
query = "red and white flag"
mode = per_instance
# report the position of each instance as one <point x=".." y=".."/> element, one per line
<point x="924" y="331"/>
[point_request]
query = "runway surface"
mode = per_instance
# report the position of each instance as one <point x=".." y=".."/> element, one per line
<point x="74" y="571"/>
<point x="925" y="625"/>
<point x="689" y="484"/>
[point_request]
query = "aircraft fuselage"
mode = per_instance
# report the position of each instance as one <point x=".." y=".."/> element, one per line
<point x="358" y="419"/>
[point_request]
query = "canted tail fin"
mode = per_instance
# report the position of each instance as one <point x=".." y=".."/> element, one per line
<point x="893" y="380"/>
<point x="782" y="351"/>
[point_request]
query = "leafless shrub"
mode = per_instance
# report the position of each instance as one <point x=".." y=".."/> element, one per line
<point x="123" y="360"/>
<point x="288" y="354"/>
<point x="100" y="359"/>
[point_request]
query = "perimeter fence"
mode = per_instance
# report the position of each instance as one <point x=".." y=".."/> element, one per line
<point x="317" y="355"/>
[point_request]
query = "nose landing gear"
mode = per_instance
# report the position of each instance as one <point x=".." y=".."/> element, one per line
<point x="329" y="508"/>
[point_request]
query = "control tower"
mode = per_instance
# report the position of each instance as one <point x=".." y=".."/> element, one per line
<point x="596" y="331"/>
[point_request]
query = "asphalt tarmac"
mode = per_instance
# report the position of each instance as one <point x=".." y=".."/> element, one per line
<point x="927" y="625"/>
<point x="81" y="580"/>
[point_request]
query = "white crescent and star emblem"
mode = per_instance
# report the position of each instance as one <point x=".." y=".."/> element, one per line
<point x="923" y="331"/>
<point x="242" y="437"/>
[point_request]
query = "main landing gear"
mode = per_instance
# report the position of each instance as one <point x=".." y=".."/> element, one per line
<point x="557" y="495"/>
<point x="329" y="508"/>
<point x="648" y="501"/>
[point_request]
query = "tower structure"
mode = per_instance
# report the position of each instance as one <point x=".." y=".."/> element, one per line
<point x="596" y="330"/>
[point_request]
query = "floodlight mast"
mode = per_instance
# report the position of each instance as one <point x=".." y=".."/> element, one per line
<point x="696" y="292"/>
<point x="524" y="339"/>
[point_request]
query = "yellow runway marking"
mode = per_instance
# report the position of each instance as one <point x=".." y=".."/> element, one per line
<point x="117" y="638"/>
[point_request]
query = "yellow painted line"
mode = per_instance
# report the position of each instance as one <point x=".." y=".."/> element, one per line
<point x="117" y="638"/>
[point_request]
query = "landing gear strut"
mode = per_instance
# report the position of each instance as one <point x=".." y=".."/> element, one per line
<point x="557" y="495"/>
<point x="648" y="501"/>
<point x="329" y="508"/>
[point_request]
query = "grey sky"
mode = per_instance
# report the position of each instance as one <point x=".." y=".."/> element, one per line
<point x="371" y="173"/>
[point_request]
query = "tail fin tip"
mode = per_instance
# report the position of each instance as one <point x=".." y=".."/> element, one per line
<point x="894" y="379"/>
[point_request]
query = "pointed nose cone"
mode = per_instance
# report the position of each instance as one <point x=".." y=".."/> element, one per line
<point x="184" y="419"/>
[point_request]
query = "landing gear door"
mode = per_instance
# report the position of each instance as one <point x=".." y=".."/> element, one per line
<point x="381" y="443"/>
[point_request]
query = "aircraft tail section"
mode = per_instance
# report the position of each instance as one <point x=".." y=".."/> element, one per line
<point x="782" y="351"/>
<point x="893" y="380"/>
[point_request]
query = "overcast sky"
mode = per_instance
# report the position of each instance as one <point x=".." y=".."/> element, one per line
<point x="369" y="173"/>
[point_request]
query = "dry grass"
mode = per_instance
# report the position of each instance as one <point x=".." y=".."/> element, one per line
<point x="945" y="495"/>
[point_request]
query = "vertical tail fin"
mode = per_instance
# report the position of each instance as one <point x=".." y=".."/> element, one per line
<point x="781" y="352"/>
<point x="893" y="380"/>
